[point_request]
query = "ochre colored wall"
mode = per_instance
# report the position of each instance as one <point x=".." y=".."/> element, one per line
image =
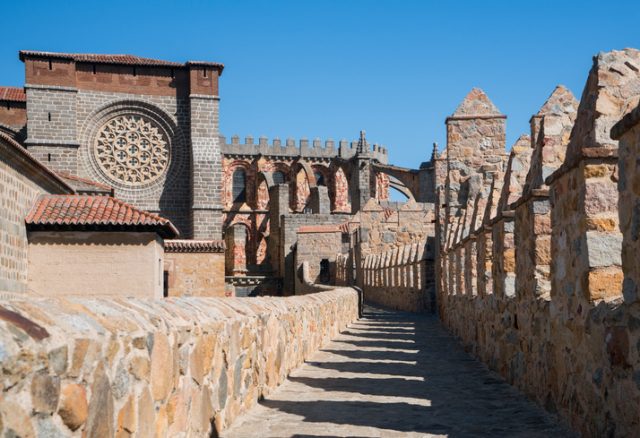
<point x="195" y="274"/>
<point x="95" y="264"/>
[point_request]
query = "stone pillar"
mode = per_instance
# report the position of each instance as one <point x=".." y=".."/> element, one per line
<point x="361" y="174"/>
<point x="319" y="201"/>
<point x="236" y="255"/>
<point x="206" y="179"/>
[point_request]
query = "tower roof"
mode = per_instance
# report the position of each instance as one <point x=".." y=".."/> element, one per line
<point x="560" y="101"/>
<point x="476" y="104"/>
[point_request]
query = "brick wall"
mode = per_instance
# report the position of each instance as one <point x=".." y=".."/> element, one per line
<point x="21" y="181"/>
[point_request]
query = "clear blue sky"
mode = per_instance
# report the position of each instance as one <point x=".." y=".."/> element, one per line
<point x="330" y="68"/>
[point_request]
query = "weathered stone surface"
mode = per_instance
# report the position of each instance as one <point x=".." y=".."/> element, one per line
<point x="73" y="405"/>
<point x="394" y="375"/>
<point x="100" y="420"/>
<point x="139" y="390"/>
<point x="161" y="367"/>
<point x="45" y="391"/>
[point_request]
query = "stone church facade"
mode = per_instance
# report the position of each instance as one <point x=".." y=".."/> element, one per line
<point x="147" y="132"/>
<point x="145" y="127"/>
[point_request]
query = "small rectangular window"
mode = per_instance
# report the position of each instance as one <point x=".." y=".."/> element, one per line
<point x="49" y="116"/>
<point x="205" y="72"/>
<point x="50" y="65"/>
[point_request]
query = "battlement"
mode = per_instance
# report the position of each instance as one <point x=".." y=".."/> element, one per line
<point x="304" y="147"/>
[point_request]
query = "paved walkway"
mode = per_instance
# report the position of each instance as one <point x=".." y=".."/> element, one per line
<point x="395" y="374"/>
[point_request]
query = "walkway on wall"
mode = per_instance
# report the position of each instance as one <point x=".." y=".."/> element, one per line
<point x="395" y="374"/>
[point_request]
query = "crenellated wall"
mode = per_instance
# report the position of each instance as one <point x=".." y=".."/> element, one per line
<point x="178" y="367"/>
<point x="543" y="288"/>
<point x="315" y="148"/>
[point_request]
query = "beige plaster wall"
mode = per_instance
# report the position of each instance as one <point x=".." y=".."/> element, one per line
<point x="95" y="264"/>
<point x="195" y="274"/>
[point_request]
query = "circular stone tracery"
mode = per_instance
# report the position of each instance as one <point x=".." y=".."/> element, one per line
<point x="132" y="149"/>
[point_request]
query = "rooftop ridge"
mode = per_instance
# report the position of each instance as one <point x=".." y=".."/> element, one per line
<point x="121" y="59"/>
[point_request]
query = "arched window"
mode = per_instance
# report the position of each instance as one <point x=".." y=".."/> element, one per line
<point x="239" y="192"/>
<point x="278" y="177"/>
<point x="319" y="179"/>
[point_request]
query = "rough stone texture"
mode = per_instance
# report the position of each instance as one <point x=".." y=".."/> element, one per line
<point x="195" y="274"/>
<point x="560" y="321"/>
<point x="315" y="245"/>
<point x="395" y="375"/>
<point x="177" y="367"/>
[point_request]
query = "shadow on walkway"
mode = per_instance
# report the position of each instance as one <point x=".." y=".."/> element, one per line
<point x="395" y="374"/>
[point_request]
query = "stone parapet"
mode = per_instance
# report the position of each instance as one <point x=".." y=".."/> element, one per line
<point x="178" y="367"/>
<point x="304" y="148"/>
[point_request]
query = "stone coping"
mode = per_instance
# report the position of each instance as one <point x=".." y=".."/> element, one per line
<point x="194" y="246"/>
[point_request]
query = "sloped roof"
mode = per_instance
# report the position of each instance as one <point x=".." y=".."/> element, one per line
<point x="560" y="101"/>
<point x="13" y="94"/>
<point x="70" y="212"/>
<point x="121" y="59"/>
<point x="476" y="103"/>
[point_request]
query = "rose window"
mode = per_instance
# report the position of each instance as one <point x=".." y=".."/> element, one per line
<point x="132" y="149"/>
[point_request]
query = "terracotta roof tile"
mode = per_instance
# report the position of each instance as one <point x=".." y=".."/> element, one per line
<point x="13" y="94"/>
<point x="94" y="212"/>
<point x="195" y="246"/>
<point x="115" y="59"/>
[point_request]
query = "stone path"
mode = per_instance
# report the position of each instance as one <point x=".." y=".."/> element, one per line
<point x="395" y="374"/>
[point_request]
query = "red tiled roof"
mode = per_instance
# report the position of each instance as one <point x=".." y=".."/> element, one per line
<point x="320" y="229"/>
<point x="13" y="94"/>
<point x="114" y="59"/>
<point x="202" y="246"/>
<point x="94" y="212"/>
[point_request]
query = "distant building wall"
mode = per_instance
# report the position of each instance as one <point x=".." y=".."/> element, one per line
<point x="194" y="268"/>
<point x="85" y="263"/>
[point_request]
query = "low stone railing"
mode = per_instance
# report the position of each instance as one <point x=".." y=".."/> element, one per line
<point x="178" y="367"/>
<point x="399" y="278"/>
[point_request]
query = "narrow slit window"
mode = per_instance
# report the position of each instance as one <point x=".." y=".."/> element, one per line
<point x="205" y="72"/>
<point x="135" y="72"/>
<point x="94" y="69"/>
<point x="50" y="65"/>
<point x="49" y="116"/>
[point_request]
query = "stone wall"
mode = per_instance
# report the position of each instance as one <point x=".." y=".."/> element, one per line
<point x="172" y="368"/>
<point x="22" y="179"/>
<point x="317" y="244"/>
<point x="556" y="312"/>
<point x="401" y="278"/>
<point x="194" y="268"/>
